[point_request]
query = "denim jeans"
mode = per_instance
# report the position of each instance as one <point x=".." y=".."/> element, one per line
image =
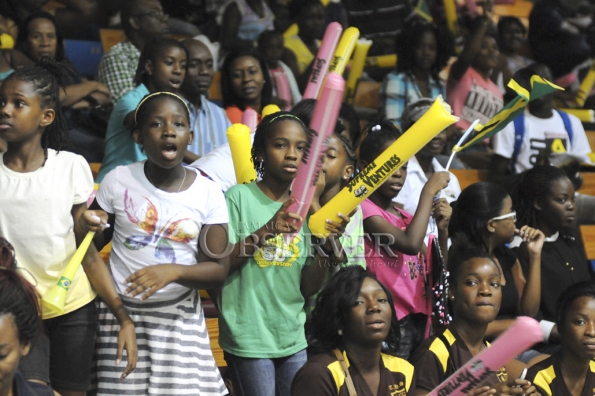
<point x="264" y="377"/>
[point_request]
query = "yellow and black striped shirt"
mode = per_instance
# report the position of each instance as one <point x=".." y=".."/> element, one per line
<point x="322" y="376"/>
<point x="547" y="378"/>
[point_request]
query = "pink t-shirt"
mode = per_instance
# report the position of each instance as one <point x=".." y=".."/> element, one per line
<point x="407" y="277"/>
<point x="473" y="98"/>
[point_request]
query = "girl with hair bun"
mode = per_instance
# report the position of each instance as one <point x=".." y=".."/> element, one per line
<point x="394" y="238"/>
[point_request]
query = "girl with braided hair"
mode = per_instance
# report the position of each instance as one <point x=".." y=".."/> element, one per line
<point x="44" y="192"/>
<point x="262" y="301"/>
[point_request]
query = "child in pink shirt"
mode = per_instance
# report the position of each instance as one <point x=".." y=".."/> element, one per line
<point x="394" y="248"/>
<point x="470" y="91"/>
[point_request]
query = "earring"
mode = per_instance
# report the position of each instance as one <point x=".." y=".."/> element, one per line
<point x="452" y="297"/>
<point x="340" y="332"/>
<point x="492" y="229"/>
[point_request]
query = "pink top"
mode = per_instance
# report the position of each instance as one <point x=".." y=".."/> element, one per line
<point x="405" y="276"/>
<point x="473" y="98"/>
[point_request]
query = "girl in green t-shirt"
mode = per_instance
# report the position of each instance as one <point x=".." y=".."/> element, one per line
<point x="262" y="301"/>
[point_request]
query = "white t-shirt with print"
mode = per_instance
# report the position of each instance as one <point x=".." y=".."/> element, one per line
<point x="36" y="218"/>
<point x="541" y="134"/>
<point x="156" y="227"/>
<point x="416" y="180"/>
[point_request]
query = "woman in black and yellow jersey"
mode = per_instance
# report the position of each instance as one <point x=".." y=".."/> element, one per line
<point x="571" y="371"/>
<point x="475" y="295"/>
<point x="353" y="318"/>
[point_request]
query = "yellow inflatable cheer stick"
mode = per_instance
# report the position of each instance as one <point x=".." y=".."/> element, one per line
<point x="450" y="11"/>
<point x="240" y="145"/>
<point x="357" y="68"/>
<point x="55" y="298"/>
<point x="436" y="119"/>
<point x="586" y="86"/>
<point x="384" y="61"/>
<point x="344" y="50"/>
<point x="270" y="109"/>
<point x="585" y="115"/>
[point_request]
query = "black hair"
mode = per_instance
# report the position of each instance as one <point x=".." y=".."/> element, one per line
<point x="408" y="40"/>
<point x="534" y="185"/>
<point x="24" y="32"/>
<point x="267" y="35"/>
<point x="348" y="113"/>
<point x="17" y="296"/>
<point x="151" y="52"/>
<point x="335" y="302"/>
<point x="304" y="110"/>
<point x="568" y="296"/>
<point x="413" y="112"/>
<point x="128" y="9"/>
<point x="509" y="20"/>
<point x="374" y="138"/>
<point x="142" y="111"/>
<point x="462" y="250"/>
<point x="47" y="78"/>
<point x="261" y="135"/>
<point x="348" y="147"/>
<point x="297" y="6"/>
<point x="230" y="98"/>
<point x="477" y="204"/>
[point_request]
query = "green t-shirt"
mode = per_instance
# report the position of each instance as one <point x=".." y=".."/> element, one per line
<point x="261" y="305"/>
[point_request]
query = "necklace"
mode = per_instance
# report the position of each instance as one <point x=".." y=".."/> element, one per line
<point x="150" y="180"/>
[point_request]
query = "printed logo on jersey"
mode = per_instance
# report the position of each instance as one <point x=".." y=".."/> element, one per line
<point x="276" y="252"/>
<point x="397" y="389"/>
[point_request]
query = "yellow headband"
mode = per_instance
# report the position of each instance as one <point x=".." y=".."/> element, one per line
<point x="160" y="93"/>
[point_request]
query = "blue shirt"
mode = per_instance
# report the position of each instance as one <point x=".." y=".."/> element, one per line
<point x="398" y="90"/>
<point x="209" y="125"/>
<point x="119" y="146"/>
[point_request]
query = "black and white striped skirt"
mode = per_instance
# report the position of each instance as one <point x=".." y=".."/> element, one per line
<point x="174" y="354"/>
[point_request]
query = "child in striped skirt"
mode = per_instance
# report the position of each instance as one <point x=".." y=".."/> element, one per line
<point x="169" y="227"/>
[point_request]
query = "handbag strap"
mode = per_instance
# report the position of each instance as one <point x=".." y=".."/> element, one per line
<point x="348" y="379"/>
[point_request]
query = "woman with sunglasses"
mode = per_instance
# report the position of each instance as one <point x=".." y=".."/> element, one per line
<point x="545" y="199"/>
<point x="483" y="214"/>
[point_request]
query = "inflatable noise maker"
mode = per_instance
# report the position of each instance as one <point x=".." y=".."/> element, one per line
<point x="539" y="87"/>
<point x="55" y="298"/>
<point x="323" y="59"/>
<point x="375" y="174"/>
<point x="357" y="67"/>
<point x="322" y="126"/>
<point x="586" y="86"/>
<point x="344" y="50"/>
<point x="283" y="90"/>
<point x="270" y="109"/>
<point x="518" y="338"/>
<point x="250" y="119"/>
<point x="240" y="146"/>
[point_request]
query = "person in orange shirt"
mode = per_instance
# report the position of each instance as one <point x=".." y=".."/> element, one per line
<point x="245" y="84"/>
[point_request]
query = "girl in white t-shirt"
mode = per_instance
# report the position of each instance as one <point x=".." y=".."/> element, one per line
<point x="169" y="229"/>
<point x="43" y="193"/>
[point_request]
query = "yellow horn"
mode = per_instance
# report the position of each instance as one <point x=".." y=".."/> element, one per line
<point x="56" y="297"/>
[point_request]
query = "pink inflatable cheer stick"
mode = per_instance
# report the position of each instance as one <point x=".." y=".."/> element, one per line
<point x="250" y="119"/>
<point x="283" y="91"/>
<point x="322" y="126"/>
<point x="518" y="338"/>
<point x="323" y="59"/>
